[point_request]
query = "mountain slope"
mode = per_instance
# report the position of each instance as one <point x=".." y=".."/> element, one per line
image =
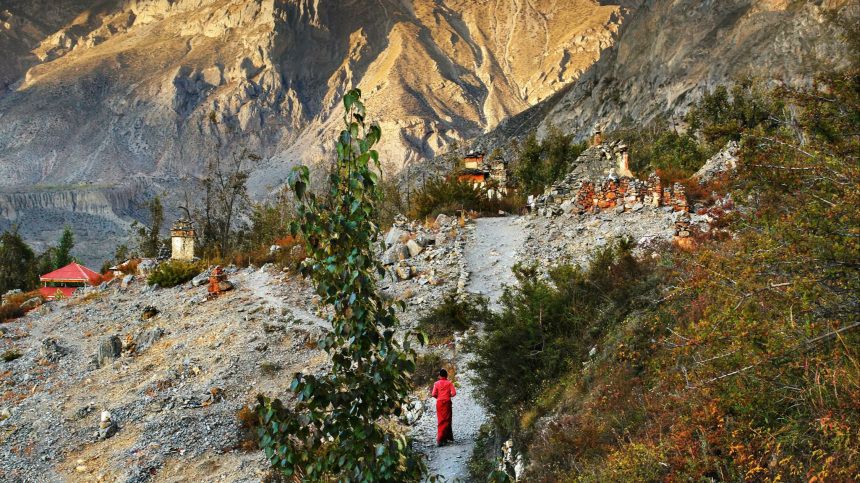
<point x="670" y="53"/>
<point x="128" y="87"/>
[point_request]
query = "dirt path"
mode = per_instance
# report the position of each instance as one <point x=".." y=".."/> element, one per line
<point x="489" y="254"/>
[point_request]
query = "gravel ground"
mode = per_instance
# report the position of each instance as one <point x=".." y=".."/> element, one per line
<point x="489" y="253"/>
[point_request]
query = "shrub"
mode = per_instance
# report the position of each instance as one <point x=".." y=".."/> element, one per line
<point x="11" y="354"/>
<point x="427" y="369"/>
<point x="102" y="278"/>
<point x="543" y="162"/>
<point x="174" y="272"/>
<point x="130" y="267"/>
<point x="547" y="325"/>
<point x="249" y="421"/>
<point x="10" y="311"/>
<point x="454" y="314"/>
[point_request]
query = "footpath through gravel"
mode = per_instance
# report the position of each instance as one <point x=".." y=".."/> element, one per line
<point x="490" y="254"/>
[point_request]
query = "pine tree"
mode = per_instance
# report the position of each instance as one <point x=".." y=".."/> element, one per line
<point x="62" y="255"/>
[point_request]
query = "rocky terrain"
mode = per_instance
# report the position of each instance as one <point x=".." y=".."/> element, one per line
<point x="129" y="383"/>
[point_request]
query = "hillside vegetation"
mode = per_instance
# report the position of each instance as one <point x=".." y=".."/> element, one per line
<point x="734" y="360"/>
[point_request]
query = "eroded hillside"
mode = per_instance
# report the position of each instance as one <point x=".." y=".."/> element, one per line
<point x="150" y="87"/>
<point x="102" y="92"/>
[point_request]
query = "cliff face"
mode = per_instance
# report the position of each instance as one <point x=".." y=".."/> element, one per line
<point x="99" y="215"/>
<point x="670" y="53"/>
<point x="673" y="52"/>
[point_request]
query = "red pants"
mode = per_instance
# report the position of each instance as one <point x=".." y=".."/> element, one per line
<point x="445" y="417"/>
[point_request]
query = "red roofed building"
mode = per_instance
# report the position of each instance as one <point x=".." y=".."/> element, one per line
<point x="73" y="274"/>
<point x="50" y="293"/>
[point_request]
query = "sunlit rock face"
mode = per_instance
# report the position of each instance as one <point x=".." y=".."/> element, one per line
<point x="119" y="88"/>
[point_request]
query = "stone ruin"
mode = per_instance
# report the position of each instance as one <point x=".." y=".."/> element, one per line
<point x="601" y="180"/>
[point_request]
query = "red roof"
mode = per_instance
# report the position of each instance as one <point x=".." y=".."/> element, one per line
<point x="70" y="273"/>
<point x="51" y="292"/>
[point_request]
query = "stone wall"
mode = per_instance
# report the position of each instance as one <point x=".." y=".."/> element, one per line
<point x="612" y="192"/>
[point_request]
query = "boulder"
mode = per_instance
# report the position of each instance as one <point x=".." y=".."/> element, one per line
<point x="107" y="426"/>
<point x="404" y="272"/>
<point x="395" y="254"/>
<point x="443" y="221"/>
<point x="201" y="279"/>
<point x="225" y="286"/>
<point x="145" y="340"/>
<point x="414" y="248"/>
<point x="109" y="350"/>
<point x="126" y="281"/>
<point x="424" y="240"/>
<point x="146" y="267"/>
<point x="32" y="303"/>
<point x="393" y="236"/>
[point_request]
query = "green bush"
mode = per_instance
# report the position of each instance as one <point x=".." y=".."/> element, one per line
<point x="174" y="272"/>
<point x="454" y="314"/>
<point x="543" y="162"/>
<point x="548" y="325"/>
<point x="11" y="355"/>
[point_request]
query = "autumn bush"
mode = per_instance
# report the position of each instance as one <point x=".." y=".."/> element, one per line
<point x="427" y="368"/>
<point x="10" y="311"/>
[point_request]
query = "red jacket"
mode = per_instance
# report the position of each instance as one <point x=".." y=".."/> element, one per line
<point x="444" y="389"/>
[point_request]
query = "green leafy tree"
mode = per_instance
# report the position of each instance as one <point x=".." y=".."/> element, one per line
<point x="17" y="263"/>
<point x="62" y="254"/>
<point x="546" y="161"/>
<point x="339" y="430"/>
<point x="529" y="169"/>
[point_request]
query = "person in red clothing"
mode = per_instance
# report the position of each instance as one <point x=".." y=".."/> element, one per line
<point x="443" y="391"/>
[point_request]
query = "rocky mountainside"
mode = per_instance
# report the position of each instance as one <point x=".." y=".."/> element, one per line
<point x="670" y="53"/>
<point x="130" y="87"/>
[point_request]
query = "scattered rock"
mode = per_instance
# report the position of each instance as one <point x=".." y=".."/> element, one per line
<point x="414" y="248"/>
<point x="725" y="160"/>
<point x="51" y="349"/>
<point x="149" y="312"/>
<point x="404" y="272"/>
<point x="109" y="350"/>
